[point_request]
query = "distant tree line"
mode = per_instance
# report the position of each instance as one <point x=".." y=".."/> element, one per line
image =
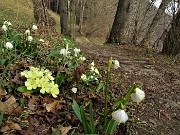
<point x="131" y="23"/>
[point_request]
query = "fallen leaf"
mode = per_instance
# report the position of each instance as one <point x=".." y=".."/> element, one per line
<point x="53" y="106"/>
<point x="33" y="102"/>
<point x="78" y="72"/>
<point x="2" y="91"/>
<point x="14" y="126"/>
<point x="65" y="130"/>
<point x="11" y="106"/>
<point x="9" y="126"/>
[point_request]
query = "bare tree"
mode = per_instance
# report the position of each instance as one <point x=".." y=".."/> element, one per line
<point x="41" y="15"/>
<point x="64" y="17"/>
<point x="160" y="12"/>
<point x="171" y="43"/>
<point x="120" y="19"/>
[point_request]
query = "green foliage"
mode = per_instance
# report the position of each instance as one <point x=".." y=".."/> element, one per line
<point x="91" y="75"/>
<point x="89" y="127"/>
<point x="2" y="114"/>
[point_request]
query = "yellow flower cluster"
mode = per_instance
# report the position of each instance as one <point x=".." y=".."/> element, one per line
<point x="40" y="78"/>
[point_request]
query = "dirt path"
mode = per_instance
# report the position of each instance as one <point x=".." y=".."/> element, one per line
<point x="160" y="75"/>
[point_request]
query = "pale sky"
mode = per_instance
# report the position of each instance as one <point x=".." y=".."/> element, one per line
<point x="168" y="10"/>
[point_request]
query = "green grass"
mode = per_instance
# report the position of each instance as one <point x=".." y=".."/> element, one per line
<point x="20" y="12"/>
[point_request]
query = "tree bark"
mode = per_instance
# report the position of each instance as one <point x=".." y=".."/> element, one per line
<point x="120" y="19"/>
<point x="146" y="41"/>
<point x="64" y="17"/>
<point x="171" y="44"/>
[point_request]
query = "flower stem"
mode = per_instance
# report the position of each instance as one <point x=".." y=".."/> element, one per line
<point x="126" y="97"/>
<point x="107" y="90"/>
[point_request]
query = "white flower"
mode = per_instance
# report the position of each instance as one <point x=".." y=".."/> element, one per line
<point x="92" y="68"/>
<point x="138" y="96"/>
<point x="76" y="50"/>
<point x="64" y="51"/>
<point x="27" y="32"/>
<point x="34" y="27"/>
<point x="30" y="38"/>
<point x="4" y="27"/>
<point x="74" y="90"/>
<point x="92" y="64"/>
<point x="83" y="58"/>
<point x="115" y="64"/>
<point x="120" y="116"/>
<point x="9" y="45"/>
<point x="41" y="40"/>
<point x="7" y="23"/>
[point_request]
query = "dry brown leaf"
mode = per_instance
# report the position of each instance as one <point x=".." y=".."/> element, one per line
<point x="11" y="106"/>
<point x="53" y="106"/>
<point x="5" y="128"/>
<point x="65" y="130"/>
<point x="2" y="91"/>
<point x="32" y="103"/>
<point x="78" y="72"/>
<point x="9" y="126"/>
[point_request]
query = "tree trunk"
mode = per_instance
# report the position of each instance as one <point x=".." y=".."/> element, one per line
<point x="151" y="29"/>
<point x="64" y="17"/>
<point x="171" y="44"/>
<point x="120" y="19"/>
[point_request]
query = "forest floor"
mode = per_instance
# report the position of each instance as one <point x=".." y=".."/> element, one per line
<point x="158" y="114"/>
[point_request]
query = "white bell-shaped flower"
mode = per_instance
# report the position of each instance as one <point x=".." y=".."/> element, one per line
<point x="27" y="32"/>
<point x="41" y="40"/>
<point x="64" y="51"/>
<point x="115" y="64"/>
<point x="120" y="116"/>
<point x="82" y="58"/>
<point x="34" y="27"/>
<point x="138" y="96"/>
<point x="76" y="51"/>
<point x="9" y="45"/>
<point x="74" y="90"/>
<point x="7" y="23"/>
<point x="30" y="38"/>
<point x="4" y="27"/>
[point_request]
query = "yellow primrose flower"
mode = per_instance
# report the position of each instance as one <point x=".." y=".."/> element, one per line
<point x="45" y="88"/>
<point x="39" y="82"/>
<point x="38" y="74"/>
<point x="30" y="84"/>
<point x="31" y="75"/>
<point x="25" y="73"/>
<point x="83" y="77"/>
<point x="48" y="76"/>
<point x="96" y="71"/>
<point x="54" y="90"/>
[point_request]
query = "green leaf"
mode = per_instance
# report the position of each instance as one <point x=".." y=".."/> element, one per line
<point x="3" y="61"/>
<point x="99" y="87"/>
<point x="112" y="125"/>
<point x="84" y="120"/>
<point x="91" y="117"/>
<point x="76" y="109"/>
<point x="22" y="89"/>
<point x="22" y="101"/>
<point x="2" y="114"/>
<point x="60" y="78"/>
<point x="56" y="132"/>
